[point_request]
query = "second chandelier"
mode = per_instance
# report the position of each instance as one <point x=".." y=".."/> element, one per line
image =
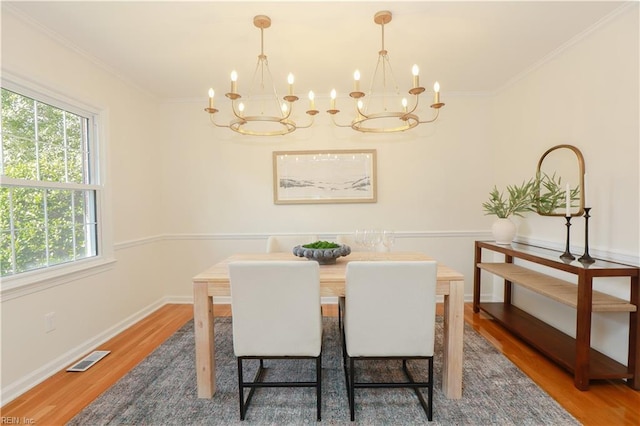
<point x="383" y="111"/>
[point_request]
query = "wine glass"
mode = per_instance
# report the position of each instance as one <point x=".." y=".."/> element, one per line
<point x="388" y="239"/>
<point x="373" y="238"/>
<point x="360" y="235"/>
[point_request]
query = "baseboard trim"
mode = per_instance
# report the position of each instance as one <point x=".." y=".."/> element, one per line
<point x="226" y="300"/>
<point x="22" y="385"/>
<point x="325" y="300"/>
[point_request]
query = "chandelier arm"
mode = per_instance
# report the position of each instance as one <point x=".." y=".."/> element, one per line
<point x="308" y="125"/>
<point x="338" y="124"/>
<point x="289" y="108"/>
<point x="435" y="117"/>
<point x="216" y="124"/>
<point x="360" y="113"/>
<point x="415" y="105"/>
<point x="235" y="112"/>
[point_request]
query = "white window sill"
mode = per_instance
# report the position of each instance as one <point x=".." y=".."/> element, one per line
<point x="38" y="280"/>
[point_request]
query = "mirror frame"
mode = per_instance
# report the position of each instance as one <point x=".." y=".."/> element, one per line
<point x="580" y="159"/>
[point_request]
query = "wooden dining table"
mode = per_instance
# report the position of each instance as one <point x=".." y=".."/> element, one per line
<point x="214" y="282"/>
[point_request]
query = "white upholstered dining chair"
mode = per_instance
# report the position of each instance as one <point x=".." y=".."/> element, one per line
<point x="286" y="243"/>
<point x="389" y="313"/>
<point x="275" y="308"/>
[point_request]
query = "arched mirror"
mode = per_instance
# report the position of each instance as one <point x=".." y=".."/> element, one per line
<point x="559" y="168"/>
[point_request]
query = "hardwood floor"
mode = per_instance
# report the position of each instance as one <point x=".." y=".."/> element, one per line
<point x="606" y="402"/>
<point x="59" y="398"/>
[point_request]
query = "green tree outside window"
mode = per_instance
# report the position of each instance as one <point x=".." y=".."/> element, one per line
<point x="47" y="205"/>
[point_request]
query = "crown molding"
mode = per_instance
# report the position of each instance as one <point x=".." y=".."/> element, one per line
<point x="570" y="43"/>
<point x="68" y="44"/>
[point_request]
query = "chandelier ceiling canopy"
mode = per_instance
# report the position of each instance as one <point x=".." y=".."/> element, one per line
<point x="261" y="113"/>
<point x="382" y="109"/>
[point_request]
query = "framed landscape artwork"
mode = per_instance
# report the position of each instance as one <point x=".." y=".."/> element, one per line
<point x="338" y="176"/>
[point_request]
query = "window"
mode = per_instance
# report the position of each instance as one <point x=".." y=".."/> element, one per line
<point x="49" y="191"/>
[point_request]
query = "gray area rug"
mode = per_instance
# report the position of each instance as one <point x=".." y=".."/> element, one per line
<point x="161" y="390"/>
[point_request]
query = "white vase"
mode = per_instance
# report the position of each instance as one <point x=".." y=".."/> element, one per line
<point x="504" y="231"/>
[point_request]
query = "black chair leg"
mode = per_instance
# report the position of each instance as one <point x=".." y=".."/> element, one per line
<point x="411" y="383"/>
<point x="244" y="403"/>
<point x="340" y="315"/>
<point x="343" y="341"/>
<point x="241" y="389"/>
<point x="430" y="390"/>
<point x="319" y="386"/>
<point x="259" y="383"/>
<point x="352" y="395"/>
<point x="427" y="406"/>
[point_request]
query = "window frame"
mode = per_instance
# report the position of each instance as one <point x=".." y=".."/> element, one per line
<point x="18" y="284"/>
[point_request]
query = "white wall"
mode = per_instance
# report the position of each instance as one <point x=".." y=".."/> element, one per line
<point x="431" y="182"/>
<point x="92" y="307"/>
<point x="185" y="194"/>
<point x="587" y="95"/>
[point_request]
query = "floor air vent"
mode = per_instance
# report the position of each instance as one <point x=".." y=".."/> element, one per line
<point x="88" y="361"/>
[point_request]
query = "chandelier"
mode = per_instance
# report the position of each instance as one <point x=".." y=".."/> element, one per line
<point x="262" y="113"/>
<point x="384" y="112"/>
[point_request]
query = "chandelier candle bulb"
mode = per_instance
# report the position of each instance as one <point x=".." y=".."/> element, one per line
<point x="415" y="71"/>
<point x="290" y="81"/>
<point x="404" y="104"/>
<point x="567" y="201"/>
<point x="436" y="95"/>
<point x="333" y="98"/>
<point x="211" y="93"/>
<point x="234" y="82"/>
<point x="312" y="102"/>
<point x="356" y="81"/>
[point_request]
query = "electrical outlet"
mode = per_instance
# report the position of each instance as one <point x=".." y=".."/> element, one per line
<point x="49" y="322"/>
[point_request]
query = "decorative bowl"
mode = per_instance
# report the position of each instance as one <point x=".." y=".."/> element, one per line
<point x="324" y="256"/>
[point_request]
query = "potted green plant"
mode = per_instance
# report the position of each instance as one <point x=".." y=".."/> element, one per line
<point x="520" y="199"/>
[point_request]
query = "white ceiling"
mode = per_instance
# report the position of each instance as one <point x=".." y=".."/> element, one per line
<point x="177" y="50"/>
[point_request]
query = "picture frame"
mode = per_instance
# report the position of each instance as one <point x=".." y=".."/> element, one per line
<point x="329" y="176"/>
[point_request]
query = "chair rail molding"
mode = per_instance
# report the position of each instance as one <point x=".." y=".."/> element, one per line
<point x="265" y="235"/>
<point x="600" y="253"/>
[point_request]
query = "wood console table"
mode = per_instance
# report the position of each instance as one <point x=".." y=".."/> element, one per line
<point x="575" y="355"/>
